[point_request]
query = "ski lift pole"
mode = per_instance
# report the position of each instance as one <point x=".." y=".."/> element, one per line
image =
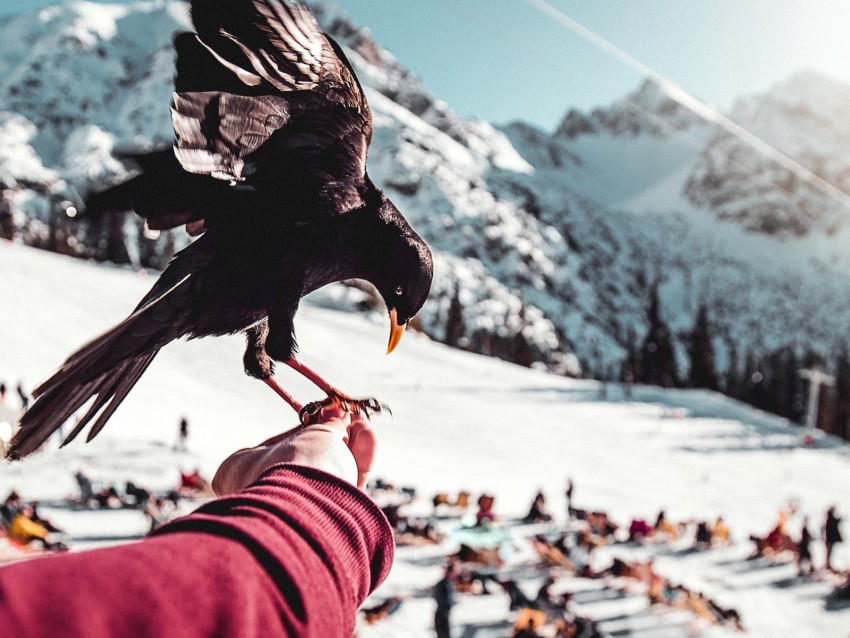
<point x="817" y="378"/>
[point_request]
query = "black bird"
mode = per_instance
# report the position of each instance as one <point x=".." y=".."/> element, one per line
<point x="269" y="166"/>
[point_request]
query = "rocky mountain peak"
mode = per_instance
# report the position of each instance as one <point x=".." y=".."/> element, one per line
<point x="647" y="110"/>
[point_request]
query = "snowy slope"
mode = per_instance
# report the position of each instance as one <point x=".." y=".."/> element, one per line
<point x="484" y="424"/>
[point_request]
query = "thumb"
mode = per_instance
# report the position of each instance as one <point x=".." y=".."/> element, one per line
<point x="362" y="442"/>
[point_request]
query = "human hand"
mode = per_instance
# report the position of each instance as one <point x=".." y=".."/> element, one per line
<point x="340" y="443"/>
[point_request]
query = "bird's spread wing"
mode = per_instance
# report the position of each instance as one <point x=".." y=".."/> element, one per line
<point x="261" y="70"/>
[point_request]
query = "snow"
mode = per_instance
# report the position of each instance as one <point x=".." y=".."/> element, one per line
<point x="18" y="160"/>
<point x="606" y="178"/>
<point x="460" y="421"/>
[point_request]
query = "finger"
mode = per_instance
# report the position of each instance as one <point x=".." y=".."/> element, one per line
<point x="330" y="419"/>
<point x="330" y="415"/>
<point x="333" y="412"/>
<point x="362" y="442"/>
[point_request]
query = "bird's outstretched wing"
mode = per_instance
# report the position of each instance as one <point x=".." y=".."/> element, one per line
<point x="260" y="90"/>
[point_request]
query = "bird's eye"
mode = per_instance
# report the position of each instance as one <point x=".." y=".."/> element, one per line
<point x="399" y="290"/>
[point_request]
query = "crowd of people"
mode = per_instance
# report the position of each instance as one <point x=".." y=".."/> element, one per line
<point x="570" y="549"/>
<point x="23" y="529"/>
<point x="778" y="541"/>
<point x="158" y="508"/>
<point x="190" y="485"/>
<point x="471" y="570"/>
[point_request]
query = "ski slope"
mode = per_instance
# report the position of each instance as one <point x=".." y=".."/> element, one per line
<point x="459" y="421"/>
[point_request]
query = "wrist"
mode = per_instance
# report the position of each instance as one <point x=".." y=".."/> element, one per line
<point x="319" y="447"/>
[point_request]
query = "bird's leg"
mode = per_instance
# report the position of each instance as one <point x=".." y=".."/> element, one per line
<point x="278" y="344"/>
<point x="347" y="402"/>
<point x="283" y="394"/>
<point x="259" y="365"/>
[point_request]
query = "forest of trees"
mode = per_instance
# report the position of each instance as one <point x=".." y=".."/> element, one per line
<point x="770" y="381"/>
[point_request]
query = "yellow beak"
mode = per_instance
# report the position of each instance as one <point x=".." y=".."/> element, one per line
<point x="396" y="331"/>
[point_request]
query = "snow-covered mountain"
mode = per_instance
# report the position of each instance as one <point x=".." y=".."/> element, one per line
<point x="670" y="198"/>
<point x="805" y="118"/>
<point x="547" y="245"/>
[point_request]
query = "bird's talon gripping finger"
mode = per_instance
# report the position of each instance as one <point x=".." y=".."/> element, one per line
<point x="309" y="411"/>
<point x="366" y="406"/>
<point x="374" y="405"/>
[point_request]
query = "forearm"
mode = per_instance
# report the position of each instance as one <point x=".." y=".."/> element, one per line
<point x="325" y="544"/>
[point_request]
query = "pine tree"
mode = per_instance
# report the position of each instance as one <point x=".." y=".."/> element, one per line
<point x="795" y="387"/>
<point x="732" y="380"/>
<point x="828" y="411"/>
<point x="630" y="367"/>
<point x="702" y="373"/>
<point x="781" y="382"/>
<point x="752" y="383"/>
<point x="842" y="392"/>
<point x="454" y="320"/>
<point x="657" y="356"/>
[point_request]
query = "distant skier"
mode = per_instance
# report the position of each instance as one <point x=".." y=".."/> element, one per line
<point x="2" y="392"/>
<point x="537" y="513"/>
<point x="831" y="534"/>
<point x="182" y="435"/>
<point x="25" y="398"/>
<point x="703" y="536"/>
<point x="444" y="595"/>
<point x="804" y="554"/>
<point x="720" y="531"/>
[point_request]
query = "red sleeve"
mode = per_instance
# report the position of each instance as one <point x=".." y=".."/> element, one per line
<point x="295" y="554"/>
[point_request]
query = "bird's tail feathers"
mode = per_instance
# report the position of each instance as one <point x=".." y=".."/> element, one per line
<point x="107" y="368"/>
<point x="58" y="403"/>
<point x="142" y="323"/>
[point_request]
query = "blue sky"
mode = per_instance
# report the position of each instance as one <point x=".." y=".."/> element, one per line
<point x="504" y="60"/>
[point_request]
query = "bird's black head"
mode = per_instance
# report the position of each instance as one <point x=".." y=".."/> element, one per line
<point x="398" y="264"/>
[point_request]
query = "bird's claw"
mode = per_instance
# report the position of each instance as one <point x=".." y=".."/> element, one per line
<point x="366" y="406"/>
<point x="310" y="411"/>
